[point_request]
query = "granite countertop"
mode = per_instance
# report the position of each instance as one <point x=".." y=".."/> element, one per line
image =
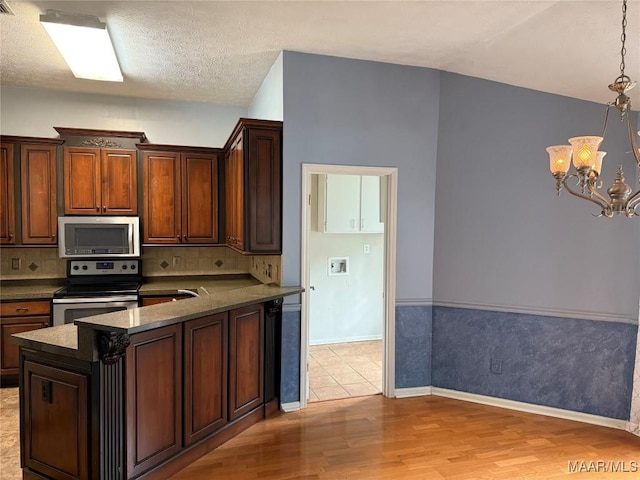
<point x="64" y="339"/>
<point x="29" y="289"/>
<point x="212" y="283"/>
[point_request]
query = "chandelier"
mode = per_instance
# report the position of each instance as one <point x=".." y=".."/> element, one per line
<point x="587" y="160"/>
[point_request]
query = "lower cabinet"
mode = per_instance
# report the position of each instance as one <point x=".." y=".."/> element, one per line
<point x="154" y="398"/>
<point x="55" y="426"/>
<point x="246" y="359"/>
<point x="205" y="376"/>
<point x="18" y="317"/>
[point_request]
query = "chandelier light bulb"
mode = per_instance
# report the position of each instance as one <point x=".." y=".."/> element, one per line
<point x="584" y="152"/>
<point x="559" y="159"/>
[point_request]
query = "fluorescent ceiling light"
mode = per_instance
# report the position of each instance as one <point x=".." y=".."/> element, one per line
<point x="84" y="42"/>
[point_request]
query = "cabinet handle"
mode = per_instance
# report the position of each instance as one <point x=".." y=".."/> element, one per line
<point x="178" y="237"/>
<point x="97" y="209"/>
<point x="22" y="309"/>
<point x="10" y="236"/>
<point x="104" y="208"/>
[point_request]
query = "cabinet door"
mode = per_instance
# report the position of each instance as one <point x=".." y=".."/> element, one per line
<point x="246" y="360"/>
<point x="7" y="196"/>
<point x="370" y="205"/>
<point x="341" y="207"/>
<point x="235" y="194"/>
<point x="55" y="439"/>
<point x="119" y="182"/>
<point x="82" y="181"/>
<point x="264" y="191"/>
<point x="161" y="197"/>
<point x="205" y="376"/>
<point x="154" y="398"/>
<point x="10" y="326"/>
<point x="199" y="198"/>
<point x="39" y="188"/>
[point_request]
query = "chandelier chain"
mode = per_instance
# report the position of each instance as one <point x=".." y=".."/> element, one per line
<point x="623" y="37"/>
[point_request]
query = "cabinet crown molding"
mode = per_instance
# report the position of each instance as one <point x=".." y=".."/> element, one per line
<point x="31" y="140"/>
<point x="89" y="132"/>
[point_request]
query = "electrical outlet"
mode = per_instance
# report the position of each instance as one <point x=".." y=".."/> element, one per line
<point x="366" y="248"/>
<point x="16" y="263"/>
<point x="495" y="366"/>
<point x="176" y="261"/>
<point x="269" y="270"/>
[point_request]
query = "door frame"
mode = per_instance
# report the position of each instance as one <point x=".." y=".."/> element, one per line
<point x="390" y="232"/>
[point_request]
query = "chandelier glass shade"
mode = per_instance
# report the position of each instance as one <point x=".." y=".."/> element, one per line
<point x="587" y="160"/>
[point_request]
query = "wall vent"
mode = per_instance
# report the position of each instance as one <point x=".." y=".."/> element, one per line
<point x="5" y="9"/>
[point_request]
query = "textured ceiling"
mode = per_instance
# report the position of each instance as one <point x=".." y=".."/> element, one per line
<point x="220" y="51"/>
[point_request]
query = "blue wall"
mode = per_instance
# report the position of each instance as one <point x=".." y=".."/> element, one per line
<point x="485" y="231"/>
<point x="580" y="365"/>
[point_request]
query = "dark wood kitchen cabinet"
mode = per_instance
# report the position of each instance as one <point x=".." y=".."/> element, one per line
<point x="18" y="317"/>
<point x="154" y="398"/>
<point x="56" y="426"/>
<point x="28" y="190"/>
<point x="7" y="196"/>
<point x="246" y="359"/>
<point x="205" y="376"/>
<point x="253" y="187"/>
<point x="100" y="181"/>
<point x="180" y="195"/>
<point x="38" y="174"/>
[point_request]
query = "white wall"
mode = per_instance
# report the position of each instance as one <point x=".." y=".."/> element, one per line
<point x="34" y="112"/>
<point x="267" y="104"/>
<point x="344" y="308"/>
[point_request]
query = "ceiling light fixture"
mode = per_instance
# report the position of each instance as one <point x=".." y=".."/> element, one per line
<point x="587" y="160"/>
<point x="84" y="42"/>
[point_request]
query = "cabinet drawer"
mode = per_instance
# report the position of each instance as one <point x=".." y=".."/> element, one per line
<point x="12" y="309"/>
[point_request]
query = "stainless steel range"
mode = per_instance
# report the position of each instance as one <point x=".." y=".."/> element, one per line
<point x="95" y="287"/>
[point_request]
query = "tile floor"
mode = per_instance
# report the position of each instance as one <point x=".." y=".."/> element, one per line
<point x="341" y="370"/>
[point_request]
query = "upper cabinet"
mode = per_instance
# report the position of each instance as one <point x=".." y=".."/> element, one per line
<point x="100" y="181"/>
<point x="28" y="178"/>
<point x="349" y="204"/>
<point x="100" y="171"/>
<point x="180" y="194"/>
<point x="253" y="187"/>
<point x="7" y="195"/>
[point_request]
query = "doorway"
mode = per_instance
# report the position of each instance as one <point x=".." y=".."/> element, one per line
<point x="348" y="271"/>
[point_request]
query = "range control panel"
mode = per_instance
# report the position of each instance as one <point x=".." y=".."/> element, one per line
<point x="104" y="267"/>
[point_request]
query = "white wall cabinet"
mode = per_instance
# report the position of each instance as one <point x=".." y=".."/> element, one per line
<point x="349" y="204"/>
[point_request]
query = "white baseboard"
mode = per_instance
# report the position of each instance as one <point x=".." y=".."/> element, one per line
<point x="412" y="392"/>
<point x="531" y="408"/>
<point x="290" y="407"/>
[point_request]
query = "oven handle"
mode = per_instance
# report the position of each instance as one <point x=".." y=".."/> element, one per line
<point x="124" y="298"/>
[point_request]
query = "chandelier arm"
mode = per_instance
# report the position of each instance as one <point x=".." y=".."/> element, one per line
<point x="604" y="206"/>
<point x="594" y="192"/>
<point x="634" y="146"/>
<point x="634" y="201"/>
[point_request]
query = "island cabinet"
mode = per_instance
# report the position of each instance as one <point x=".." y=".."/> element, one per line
<point x="28" y="190"/>
<point x="141" y="398"/>
<point x="205" y="376"/>
<point x="18" y="317"/>
<point x="154" y="398"/>
<point x="180" y="194"/>
<point x="253" y="187"/>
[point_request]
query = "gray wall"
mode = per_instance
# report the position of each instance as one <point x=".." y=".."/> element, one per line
<point x="34" y="112"/>
<point x="502" y="237"/>
<point x="351" y="112"/>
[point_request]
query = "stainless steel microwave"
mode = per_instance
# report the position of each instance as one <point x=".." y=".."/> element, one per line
<point x="103" y="236"/>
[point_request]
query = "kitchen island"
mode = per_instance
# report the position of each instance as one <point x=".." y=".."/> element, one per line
<point x="142" y="393"/>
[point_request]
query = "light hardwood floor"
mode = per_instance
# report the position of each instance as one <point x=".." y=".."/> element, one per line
<point x="426" y="438"/>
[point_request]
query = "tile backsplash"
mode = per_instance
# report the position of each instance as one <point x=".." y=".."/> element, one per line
<point x="35" y="263"/>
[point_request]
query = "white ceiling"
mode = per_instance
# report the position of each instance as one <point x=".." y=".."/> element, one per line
<point x="220" y="51"/>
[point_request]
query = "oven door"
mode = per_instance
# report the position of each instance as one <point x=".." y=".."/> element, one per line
<point x="66" y="310"/>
